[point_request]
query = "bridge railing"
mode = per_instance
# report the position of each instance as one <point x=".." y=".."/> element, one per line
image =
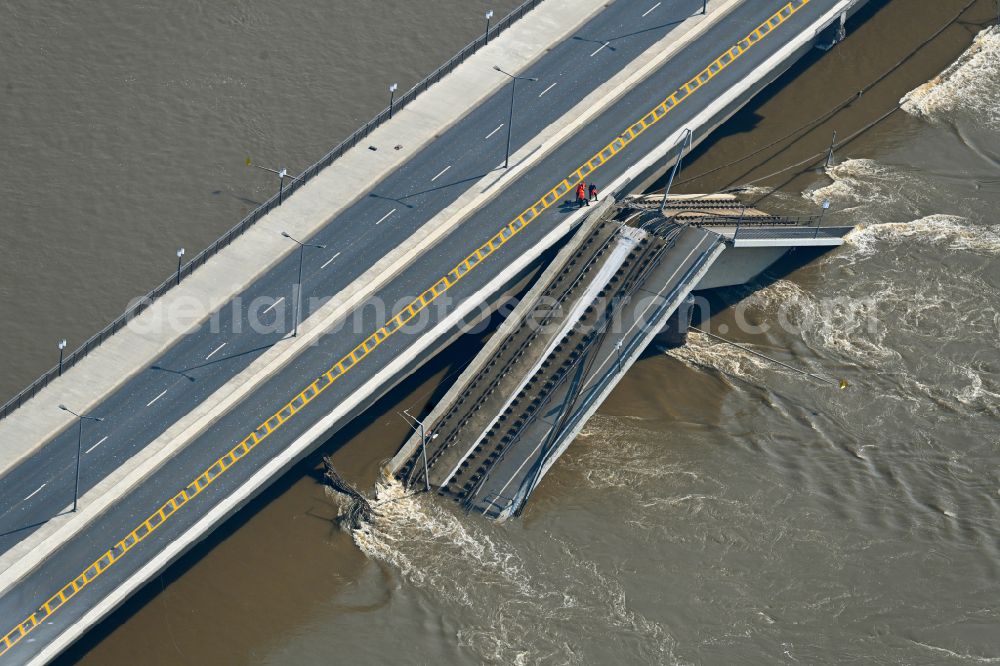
<point x="260" y="211"/>
<point x="752" y="233"/>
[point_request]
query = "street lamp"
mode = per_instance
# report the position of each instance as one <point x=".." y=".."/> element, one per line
<point x="686" y="141"/>
<point x="486" y="38"/>
<point x="830" y="158"/>
<point x="79" y="448"/>
<point x="62" y="346"/>
<point x="510" y="119"/>
<point x="423" y="447"/>
<point x="819" y="223"/>
<point x="392" y="96"/>
<point x="297" y="288"/>
<point x="281" y="173"/>
<point x="180" y="253"/>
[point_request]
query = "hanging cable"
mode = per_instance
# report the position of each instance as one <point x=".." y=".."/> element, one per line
<point x="837" y="108"/>
<point x="825" y="380"/>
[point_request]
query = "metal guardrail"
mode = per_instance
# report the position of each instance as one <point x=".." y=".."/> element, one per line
<point x="750" y="233"/>
<point x="748" y="220"/>
<point x="256" y="214"/>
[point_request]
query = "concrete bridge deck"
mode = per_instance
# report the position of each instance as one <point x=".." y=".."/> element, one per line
<point x="227" y="408"/>
<point x="617" y="283"/>
<point x="574" y="335"/>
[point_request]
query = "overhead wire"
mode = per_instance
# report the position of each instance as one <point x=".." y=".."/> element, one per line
<point x="827" y="115"/>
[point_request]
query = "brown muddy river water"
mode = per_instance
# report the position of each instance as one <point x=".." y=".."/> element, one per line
<point x="718" y="509"/>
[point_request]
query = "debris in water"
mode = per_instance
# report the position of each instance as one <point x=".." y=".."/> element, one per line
<point x="358" y="510"/>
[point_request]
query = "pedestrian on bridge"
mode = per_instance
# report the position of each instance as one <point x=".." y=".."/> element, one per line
<point x="581" y="195"/>
<point x="593" y="193"/>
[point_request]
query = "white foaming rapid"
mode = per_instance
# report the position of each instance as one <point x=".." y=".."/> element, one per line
<point x="846" y="323"/>
<point x="870" y="192"/>
<point x="512" y="602"/>
<point x="702" y="351"/>
<point x="944" y="231"/>
<point x="971" y="84"/>
<point x="888" y="205"/>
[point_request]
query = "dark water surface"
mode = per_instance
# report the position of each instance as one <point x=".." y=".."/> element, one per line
<point x="718" y="509"/>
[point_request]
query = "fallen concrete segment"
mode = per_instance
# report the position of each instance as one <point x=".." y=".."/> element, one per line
<point x="579" y="332"/>
<point x="616" y="284"/>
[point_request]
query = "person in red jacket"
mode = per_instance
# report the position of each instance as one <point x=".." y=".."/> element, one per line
<point x="581" y="195"/>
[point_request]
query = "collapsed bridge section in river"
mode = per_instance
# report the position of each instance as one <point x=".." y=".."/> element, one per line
<point x="622" y="280"/>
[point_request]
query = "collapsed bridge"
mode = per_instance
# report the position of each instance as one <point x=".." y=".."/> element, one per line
<point x="621" y="281"/>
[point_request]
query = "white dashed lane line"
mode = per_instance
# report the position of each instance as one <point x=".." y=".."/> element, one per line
<point x="441" y="173"/>
<point x="212" y="353"/>
<point x="547" y="89"/>
<point x="156" y="398"/>
<point x="332" y="258"/>
<point x="99" y="442"/>
<point x="386" y="216"/>
<point x="499" y="127"/>
<point x="651" y="9"/>
<point x="34" y="493"/>
<point x="603" y="46"/>
<point x="273" y="305"/>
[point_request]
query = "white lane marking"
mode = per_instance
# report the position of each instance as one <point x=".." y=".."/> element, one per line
<point x="99" y="442"/>
<point x="651" y="9"/>
<point x="329" y="260"/>
<point x="34" y="493"/>
<point x="212" y="353"/>
<point x="384" y="217"/>
<point x="273" y="305"/>
<point x="496" y="130"/>
<point x="156" y="398"/>
<point x="547" y="89"/>
<point x="600" y="49"/>
<point x="440" y="174"/>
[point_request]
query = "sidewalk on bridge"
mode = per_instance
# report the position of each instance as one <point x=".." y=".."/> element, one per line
<point x="329" y="193"/>
<point x="338" y="187"/>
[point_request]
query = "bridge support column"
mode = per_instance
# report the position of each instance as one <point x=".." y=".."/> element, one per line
<point x="836" y="33"/>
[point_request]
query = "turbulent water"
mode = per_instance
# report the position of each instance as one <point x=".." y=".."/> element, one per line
<point x="720" y="508"/>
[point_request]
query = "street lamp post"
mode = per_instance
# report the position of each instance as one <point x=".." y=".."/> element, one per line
<point x="79" y="448"/>
<point x="280" y="173"/>
<point x="392" y="96"/>
<point x="510" y="119"/>
<point x="486" y="38"/>
<point x="180" y="254"/>
<point x="297" y="288"/>
<point x="819" y="223"/>
<point x="62" y="346"/>
<point x="830" y="158"/>
<point x="685" y="142"/>
<point x="423" y="448"/>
